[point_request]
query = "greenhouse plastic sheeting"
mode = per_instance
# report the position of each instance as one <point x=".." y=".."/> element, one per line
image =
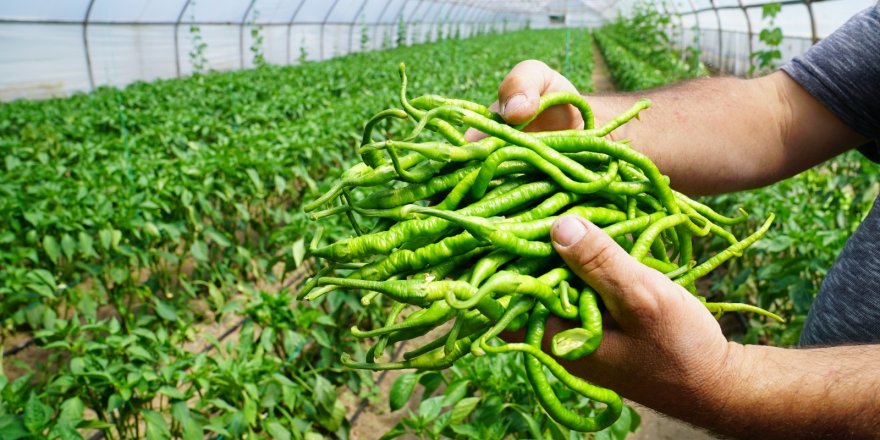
<point x="55" y="47"/>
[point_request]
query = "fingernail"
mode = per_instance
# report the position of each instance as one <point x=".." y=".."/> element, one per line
<point x="513" y="104"/>
<point x="568" y="231"/>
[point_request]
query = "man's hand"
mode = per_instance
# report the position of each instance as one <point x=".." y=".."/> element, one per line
<point x="660" y="344"/>
<point x="519" y="96"/>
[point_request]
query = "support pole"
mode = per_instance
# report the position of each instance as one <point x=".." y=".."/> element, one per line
<point x="745" y="12"/>
<point x="428" y="14"/>
<point x="378" y="23"/>
<point x="396" y="24"/>
<point x="697" y="21"/>
<point x="410" y="21"/>
<point x="720" y="39"/>
<point x="814" y="34"/>
<point x="86" y="44"/>
<point x="353" y="21"/>
<point x="324" y="23"/>
<point x="241" y="33"/>
<point x="290" y="25"/>
<point x="177" y="38"/>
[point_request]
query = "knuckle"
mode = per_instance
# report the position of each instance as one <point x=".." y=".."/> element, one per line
<point x="597" y="256"/>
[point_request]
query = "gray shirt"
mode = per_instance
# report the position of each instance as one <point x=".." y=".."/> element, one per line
<point x="843" y="72"/>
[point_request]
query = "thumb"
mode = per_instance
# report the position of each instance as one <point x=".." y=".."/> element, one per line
<point x="626" y="286"/>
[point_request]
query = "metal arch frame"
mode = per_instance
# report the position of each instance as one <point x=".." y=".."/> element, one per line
<point x="460" y="12"/>
<point x="446" y="17"/>
<point x="751" y="33"/>
<point x="290" y="26"/>
<point x="241" y="33"/>
<point x="377" y="25"/>
<point x="470" y="18"/>
<point x="177" y="36"/>
<point x="421" y="20"/>
<point x="761" y="5"/>
<point x="353" y="21"/>
<point x="808" y="3"/>
<point x="680" y="25"/>
<point x="427" y="15"/>
<point x="720" y="38"/>
<point x="432" y="27"/>
<point x="814" y="34"/>
<point x="410" y="21"/>
<point x="324" y="24"/>
<point x="398" y="18"/>
<point x="85" y="24"/>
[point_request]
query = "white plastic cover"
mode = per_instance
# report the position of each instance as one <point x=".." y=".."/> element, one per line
<point x="56" y="47"/>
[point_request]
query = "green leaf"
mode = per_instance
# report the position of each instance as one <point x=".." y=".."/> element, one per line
<point x="401" y="390"/>
<point x="430" y="408"/>
<point x="50" y="246"/>
<point x="456" y="391"/>
<point x="299" y="251"/>
<point x="192" y="429"/>
<point x="199" y="251"/>
<point x="72" y="410"/>
<point x="12" y="428"/>
<point x="139" y="352"/>
<point x="43" y="277"/>
<point x="255" y="179"/>
<point x="36" y="414"/>
<point x="105" y="236"/>
<point x="165" y="310"/>
<point x="114" y="402"/>
<point x="463" y="408"/>
<point x="86" y="245"/>
<point x="77" y="365"/>
<point x="218" y="238"/>
<point x="68" y="246"/>
<point x="325" y="393"/>
<point x="157" y="428"/>
<point x="395" y="432"/>
<point x="430" y="380"/>
<point x="119" y="274"/>
<point x="172" y="392"/>
<point x="277" y="431"/>
<point x="280" y="184"/>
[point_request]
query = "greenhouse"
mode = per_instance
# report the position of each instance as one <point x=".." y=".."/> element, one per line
<point x="481" y="219"/>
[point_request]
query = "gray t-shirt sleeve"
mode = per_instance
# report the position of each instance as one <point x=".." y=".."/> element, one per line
<point x="843" y="72"/>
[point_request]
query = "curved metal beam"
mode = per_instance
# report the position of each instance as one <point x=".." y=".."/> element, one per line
<point x="241" y="33"/>
<point x="751" y="34"/>
<point x="290" y="25"/>
<point x="720" y="38"/>
<point x="85" y="24"/>
<point x="177" y="38"/>
<point x="324" y="23"/>
<point x="378" y="25"/>
<point x="428" y="14"/>
<point x="353" y="21"/>
<point x="397" y="19"/>
<point x="814" y="34"/>
<point x="697" y="19"/>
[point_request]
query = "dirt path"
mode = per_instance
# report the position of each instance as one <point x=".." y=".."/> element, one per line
<point x="602" y="82"/>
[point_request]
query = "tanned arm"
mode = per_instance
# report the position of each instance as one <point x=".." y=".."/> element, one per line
<point x="710" y="135"/>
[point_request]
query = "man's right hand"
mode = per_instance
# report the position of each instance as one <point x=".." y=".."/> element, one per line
<point x="519" y="96"/>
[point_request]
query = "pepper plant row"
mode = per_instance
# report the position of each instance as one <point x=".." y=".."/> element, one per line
<point x="648" y="61"/>
<point x="450" y="230"/>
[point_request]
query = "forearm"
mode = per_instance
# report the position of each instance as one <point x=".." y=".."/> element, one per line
<point x="717" y="135"/>
<point x="772" y="392"/>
